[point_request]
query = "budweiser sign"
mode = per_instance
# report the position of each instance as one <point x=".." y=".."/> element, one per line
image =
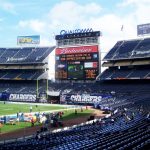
<point x="74" y="50"/>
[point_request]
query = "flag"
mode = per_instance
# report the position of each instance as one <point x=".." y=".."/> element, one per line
<point x="122" y="28"/>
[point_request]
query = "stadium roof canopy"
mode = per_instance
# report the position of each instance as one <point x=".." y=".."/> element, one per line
<point x="24" y="55"/>
<point x="129" y="49"/>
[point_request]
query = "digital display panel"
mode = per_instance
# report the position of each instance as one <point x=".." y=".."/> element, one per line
<point x="75" y="71"/>
<point x="78" y="63"/>
<point x="61" y="72"/>
<point x="91" y="73"/>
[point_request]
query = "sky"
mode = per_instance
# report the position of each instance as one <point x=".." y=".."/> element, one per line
<point x="48" y="17"/>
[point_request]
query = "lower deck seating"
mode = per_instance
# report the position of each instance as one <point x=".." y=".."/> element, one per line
<point x="119" y="135"/>
<point x="125" y="74"/>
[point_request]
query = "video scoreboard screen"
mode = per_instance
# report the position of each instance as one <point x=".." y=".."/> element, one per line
<point x="79" y="63"/>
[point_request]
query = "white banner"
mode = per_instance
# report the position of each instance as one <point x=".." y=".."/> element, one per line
<point x="23" y="97"/>
<point x="86" y="98"/>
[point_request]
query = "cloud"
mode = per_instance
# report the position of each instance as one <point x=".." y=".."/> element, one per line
<point x="71" y="15"/>
<point x="125" y="3"/>
<point x="64" y="15"/>
<point x="1" y="19"/>
<point x="8" y="7"/>
<point x="139" y="14"/>
<point x="46" y="42"/>
<point x="35" y="24"/>
<point x="1" y="22"/>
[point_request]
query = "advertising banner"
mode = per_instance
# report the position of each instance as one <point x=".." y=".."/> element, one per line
<point x="143" y="29"/>
<point x="84" y="98"/>
<point x="90" y="64"/>
<point x="74" y="50"/>
<point x="25" y="40"/>
<point x="22" y="97"/>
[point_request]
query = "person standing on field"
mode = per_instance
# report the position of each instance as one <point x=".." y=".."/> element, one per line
<point x="30" y="109"/>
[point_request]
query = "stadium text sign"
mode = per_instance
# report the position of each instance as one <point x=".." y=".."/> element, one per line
<point x="63" y="32"/>
<point x="73" y="50"/>
<point x="86" y="98"/>
<point x="22" y="97"/>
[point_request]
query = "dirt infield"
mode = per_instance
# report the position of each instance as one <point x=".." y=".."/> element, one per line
<point x="32" y="130"/>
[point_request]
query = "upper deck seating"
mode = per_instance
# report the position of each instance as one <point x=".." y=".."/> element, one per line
<point x="24" y="55"/>
<point x="129" y="49"/>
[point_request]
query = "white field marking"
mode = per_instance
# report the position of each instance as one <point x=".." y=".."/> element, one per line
<point x="8" y="109"/>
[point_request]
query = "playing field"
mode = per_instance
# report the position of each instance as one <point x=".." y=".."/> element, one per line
<point x="13" y="108"/>
<point x="68" y="114"/>
<point x="9" y="108"/>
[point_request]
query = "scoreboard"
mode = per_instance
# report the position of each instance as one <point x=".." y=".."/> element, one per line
<point x="77" y="63"/>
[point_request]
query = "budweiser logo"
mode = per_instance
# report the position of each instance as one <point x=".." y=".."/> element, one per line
<point x="72" y="50"/>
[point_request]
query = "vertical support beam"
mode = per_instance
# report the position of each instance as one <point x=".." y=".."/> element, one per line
<point x="37" y="88"/>
<point x="47" y="89"/>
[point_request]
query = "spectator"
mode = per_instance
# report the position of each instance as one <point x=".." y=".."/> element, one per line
<point x="86" y="107"/>
<point x="112" y="121"/>
<point x="60" y="115"/>
<point x="17" y="115"/>
<point x="75" y="112"/>
<point x="148" y="116"/>
<point x="32" y="122"/>
<point x="30" y="109"/>
<point x="93" y="123"/>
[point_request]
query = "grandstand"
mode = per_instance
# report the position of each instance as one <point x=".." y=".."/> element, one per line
<point x="23" y="71"/>
<point x="123" y="90"/>
<point x="125" y="81"/>
<point x="128" y="60"/>
<point x="124" y="85"/>
<point x="123" y="130"/>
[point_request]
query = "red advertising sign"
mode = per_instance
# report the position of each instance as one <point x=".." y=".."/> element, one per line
<point x="75" y="50"/>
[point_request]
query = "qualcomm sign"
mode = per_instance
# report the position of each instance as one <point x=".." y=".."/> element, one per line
<point x="63" y="32"/>
<point x="23" y="97"/>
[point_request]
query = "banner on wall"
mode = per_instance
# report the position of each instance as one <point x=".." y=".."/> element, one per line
<point x="143" y="29"/>
<point x="22" y="97"/>
<point x="83" y="98"/>
<point x="76" y="50"/>
<point x="28" y="40"/>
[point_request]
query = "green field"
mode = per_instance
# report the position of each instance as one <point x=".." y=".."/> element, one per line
<point x="68" y="114"/>
<point x="7" y="108"/>
<point x="21" y="125"/>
